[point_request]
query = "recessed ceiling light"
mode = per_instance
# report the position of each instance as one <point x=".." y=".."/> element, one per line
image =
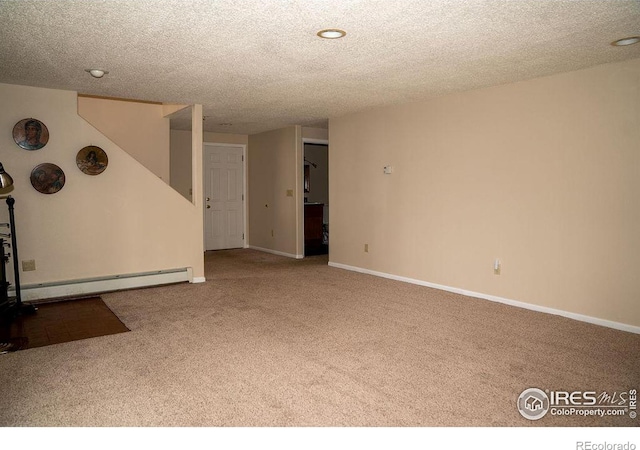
<point x="97" y="73"/>
<point x="626" y="41"/>
<point x="332" y="33"/>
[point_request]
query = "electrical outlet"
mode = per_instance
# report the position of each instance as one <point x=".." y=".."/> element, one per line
<point x="366" y="248"/>
<point x="496" y="267"/>
<point x="29" y="265"/>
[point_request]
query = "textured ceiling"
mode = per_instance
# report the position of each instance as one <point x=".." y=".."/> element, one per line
<point x="259" y="65"/>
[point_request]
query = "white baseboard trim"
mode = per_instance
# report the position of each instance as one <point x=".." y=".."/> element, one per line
<point x="493" y="298"/>
<point x="199" y="279"/>
<point x="100" y="285"/>
<point x="276" y="252"/>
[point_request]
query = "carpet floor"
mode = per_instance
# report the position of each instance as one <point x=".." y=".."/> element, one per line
<point x="272" y="341"/>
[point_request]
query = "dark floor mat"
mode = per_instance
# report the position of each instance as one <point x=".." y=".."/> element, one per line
<point x="57" y="322"/>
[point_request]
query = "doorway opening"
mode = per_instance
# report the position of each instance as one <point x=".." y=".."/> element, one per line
<point x="316" y="197"/>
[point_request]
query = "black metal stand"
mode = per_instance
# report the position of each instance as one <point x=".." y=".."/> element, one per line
<point x="5" y="305"/>
<point x="18" y="307"/>
<point x="10" y="310"/>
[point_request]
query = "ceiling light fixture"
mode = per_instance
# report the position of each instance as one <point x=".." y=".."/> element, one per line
<point x="332" y="33"/>
<point x="626" y="41"/>
<point x="97" y="73"/>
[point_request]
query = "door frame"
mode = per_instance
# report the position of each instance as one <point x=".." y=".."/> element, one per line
<point x="245" y="200"/>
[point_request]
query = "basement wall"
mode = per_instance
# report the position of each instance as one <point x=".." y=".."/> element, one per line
<point x="123" y="221"/>
<point x="543" y="175"/>
<point x="274" y="170"/>
<point x="139" y="128"/>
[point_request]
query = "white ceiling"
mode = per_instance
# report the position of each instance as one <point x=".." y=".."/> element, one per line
<point x="259" y="65"/>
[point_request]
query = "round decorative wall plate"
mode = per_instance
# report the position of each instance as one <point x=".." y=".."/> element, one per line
<point x="30" y="134"/>
<point x="47" y="178"/>
<point x="92" y="160"/>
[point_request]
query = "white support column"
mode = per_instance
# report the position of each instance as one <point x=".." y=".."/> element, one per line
<point x="197" y="187"/>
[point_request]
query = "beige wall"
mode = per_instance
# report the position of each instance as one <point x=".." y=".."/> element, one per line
<point x="274" y="167"/>
<point x="225" y="138"/>
<point x="123" y="221"/>
<point x="140" y="129"/>
<point x="181" y="155"/>
<point x="542" y="174"/>
<point x="180" y="144"/>
<point x="315" y="133"/>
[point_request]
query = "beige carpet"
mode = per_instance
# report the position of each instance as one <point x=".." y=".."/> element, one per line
<point x="271" y="341"/>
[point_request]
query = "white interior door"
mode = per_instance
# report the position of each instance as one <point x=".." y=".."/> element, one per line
<point x="224" y="196"/>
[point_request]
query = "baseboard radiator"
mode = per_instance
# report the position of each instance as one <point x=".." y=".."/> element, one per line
<point x="70" y="288"/>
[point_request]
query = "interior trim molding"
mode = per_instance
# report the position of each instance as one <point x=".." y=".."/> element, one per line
<point x="276" y="252"/>
<point x="119" y="99"/>
<point x="98" y="285"/>
<point x="493" y="298"/>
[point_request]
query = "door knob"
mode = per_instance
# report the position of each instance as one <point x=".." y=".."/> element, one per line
<point x="207" y="198"/>
<point x="208" y="206"/>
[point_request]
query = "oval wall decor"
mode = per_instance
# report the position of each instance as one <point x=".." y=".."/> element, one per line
<point x="47" y="178"/>
<point x="30" y="134"/>
<point x="92" y="160"/>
